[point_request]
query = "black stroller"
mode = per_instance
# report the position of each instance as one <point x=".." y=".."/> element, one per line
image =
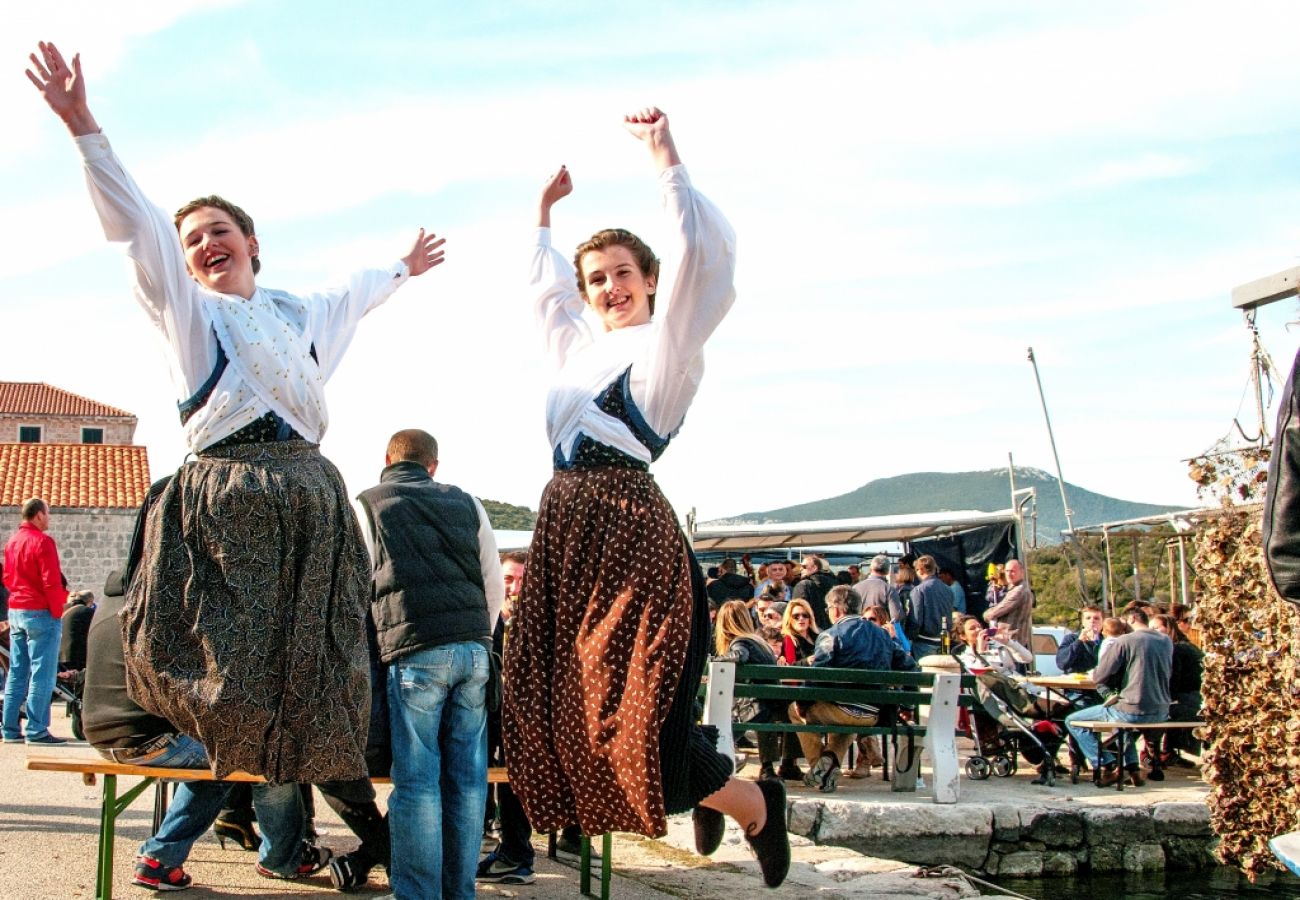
<point x="1004" y="730"/>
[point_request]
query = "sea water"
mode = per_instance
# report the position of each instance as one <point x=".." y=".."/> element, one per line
<point x="1203" y="885"/>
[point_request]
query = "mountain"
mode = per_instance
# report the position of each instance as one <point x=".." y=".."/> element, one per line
<point x="987" y="491"/>
<point x="507" y="515"/>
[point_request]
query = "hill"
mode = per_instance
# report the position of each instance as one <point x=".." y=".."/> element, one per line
<point x="942" y="491"/>
<point x="509" y="516"/>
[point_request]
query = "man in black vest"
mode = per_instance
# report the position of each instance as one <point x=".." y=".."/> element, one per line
<point x="436" y="592"/>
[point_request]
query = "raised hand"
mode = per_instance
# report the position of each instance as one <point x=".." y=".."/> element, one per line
<point x="63" y="88"/>
<point x="425" y="253"/>
<point x="557" y="186"/>
<point x="650" y="125"/>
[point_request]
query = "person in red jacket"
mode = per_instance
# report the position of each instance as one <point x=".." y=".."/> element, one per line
<point x="36" y="596"/>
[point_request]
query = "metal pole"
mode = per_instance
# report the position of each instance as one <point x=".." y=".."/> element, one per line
<point x="1060" y="478"/>
<point x="1182" y="568"/>
<point x="1020" y="519"/>
<point x="1169" y="547"/>
<point x="1105" y="591"/>
<point x="1137" y="575"/>
<point x="1257" y="376"/>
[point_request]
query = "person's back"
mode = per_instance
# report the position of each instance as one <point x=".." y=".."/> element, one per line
<point x="76" y="630"/>
<point x="1140" y="665"/>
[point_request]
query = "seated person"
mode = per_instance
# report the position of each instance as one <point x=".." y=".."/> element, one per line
<point x="737" y="640"/>
<point x="990" y="648"/>
<point x="851" y="643"/>
<point x="1078" y="652"/>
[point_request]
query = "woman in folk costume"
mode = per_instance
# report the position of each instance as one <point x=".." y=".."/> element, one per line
<point x="611" y="633"/>
<point x="243" y="624"/>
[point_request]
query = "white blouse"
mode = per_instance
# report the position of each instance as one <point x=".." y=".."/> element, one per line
<point x="281" y="348"/>
<point x="666" y="356"/>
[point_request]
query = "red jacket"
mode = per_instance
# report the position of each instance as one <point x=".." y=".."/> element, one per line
<point x="32" y="572"/>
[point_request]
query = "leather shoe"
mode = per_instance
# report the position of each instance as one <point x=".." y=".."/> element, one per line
<point x="772" y="844"/>
<point x="1110" y="778"/>
<point x="709" y="828"/>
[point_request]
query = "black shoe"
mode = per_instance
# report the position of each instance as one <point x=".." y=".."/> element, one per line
<point x="348" y="872"/>
<point x="570" y="841"/>
<point x="709" y="828"/>
<point x="790" y="771"/>
<point x="772" y="844"/>
<point x="242" y="833"/>
<point x="1156" y="775"/>
<point x="767" y="773"/>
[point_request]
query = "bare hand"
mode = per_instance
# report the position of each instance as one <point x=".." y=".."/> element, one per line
<point x="425" y="253"/>
<point x="650" y="125"/>
<point x="557" y="187"/>
<point x="63" y="88"/>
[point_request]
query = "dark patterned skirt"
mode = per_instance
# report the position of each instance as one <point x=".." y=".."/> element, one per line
<point x="243" y="624"/>
<point x="604" y="659"/>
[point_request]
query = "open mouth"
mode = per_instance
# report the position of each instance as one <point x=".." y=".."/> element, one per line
<point x="216" y="261"/>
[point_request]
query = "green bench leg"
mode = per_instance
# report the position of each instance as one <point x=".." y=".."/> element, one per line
<point x="584" y="863"/>
<point x="110" y="808"/>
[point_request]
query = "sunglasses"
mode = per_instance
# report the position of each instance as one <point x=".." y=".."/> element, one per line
<point x="801" y="616"/>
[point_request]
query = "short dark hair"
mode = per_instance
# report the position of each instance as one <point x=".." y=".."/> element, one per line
<point x="33" y="508"/>
<point x="413" y="445"/>
<point x="1136" y="613"/>
<point x="242" y="219"/>
<point x="515" y="556"/>
<point x="727" y="565"/>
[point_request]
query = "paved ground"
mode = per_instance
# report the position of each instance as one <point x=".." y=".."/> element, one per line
<point x="50" y="823"/>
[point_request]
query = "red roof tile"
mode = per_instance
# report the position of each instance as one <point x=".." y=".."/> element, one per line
<point x="38" y="398"/>
<point x="103" y="476"/>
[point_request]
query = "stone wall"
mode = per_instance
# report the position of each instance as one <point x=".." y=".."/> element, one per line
<point x="67" y="429"/>
<point x="92" y="542"/>
<point x="1011" y="841"/>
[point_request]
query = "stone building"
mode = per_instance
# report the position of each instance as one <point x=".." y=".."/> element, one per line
<point x="77" y="454"/>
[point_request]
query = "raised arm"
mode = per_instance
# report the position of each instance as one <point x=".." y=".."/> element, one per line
<point x="425" y="253"/>
<point x="556" y="302"/>
<point x="650" y="126"/>
<point x="63" y="88"/>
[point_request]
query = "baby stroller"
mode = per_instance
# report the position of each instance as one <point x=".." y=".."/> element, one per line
<point x="1003" y="729"/>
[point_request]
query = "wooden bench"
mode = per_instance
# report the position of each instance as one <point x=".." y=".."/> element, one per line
<point x="938" y="695"/>
<point x="112" y="805"/>
<point x="1123" y="732"/>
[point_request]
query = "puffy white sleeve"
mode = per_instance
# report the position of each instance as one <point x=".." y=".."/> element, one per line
<point x="161" y="283"/>
<point x="489" y="560"/>
<point x="699" y="293"/>
<point x="333" y="315"/>
<point x="557" y="304"/>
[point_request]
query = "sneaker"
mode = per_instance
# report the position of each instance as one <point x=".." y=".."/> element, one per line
<point x="312" y="860"/>
<point x="46" y="739"/>
<point x="499" y="870"/>
<point x="13" y="740"/>
<point x="348" y="872"/>
<point x="152" y="874"/>
<point x="825" y="775"/>
<point x="570" y="842"/>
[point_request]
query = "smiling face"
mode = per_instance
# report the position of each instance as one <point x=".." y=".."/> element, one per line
<point x="616" y="289"/>
<point x="217" y="254"/>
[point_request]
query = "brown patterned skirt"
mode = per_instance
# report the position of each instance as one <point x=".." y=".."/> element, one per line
<point x="243" y="624"/>
<point x="598" y="721"/>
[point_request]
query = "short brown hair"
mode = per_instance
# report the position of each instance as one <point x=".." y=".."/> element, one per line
<point x="413" y="445"/>
<point x="33" y="508"/>
<point x="515" y="556"/>
<point x="645" y="258"/>
<point x="925" y="565"/>
<point x="242" y="219"/>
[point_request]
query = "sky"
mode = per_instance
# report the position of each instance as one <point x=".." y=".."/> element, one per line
<point x="920" y="191"/>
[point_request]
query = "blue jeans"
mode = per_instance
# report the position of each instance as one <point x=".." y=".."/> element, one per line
<point x="195" y="806"/>
<point x="437" y="705"/>
<point x="33" y="664"/>
<point x="1087" y="740"/>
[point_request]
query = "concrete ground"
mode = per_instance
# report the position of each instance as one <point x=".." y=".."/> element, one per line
<point x="51" y="821"/>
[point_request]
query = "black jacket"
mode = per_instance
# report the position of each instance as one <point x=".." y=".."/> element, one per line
<point x="427" y="579"/>
<point x="1282" y="501"/>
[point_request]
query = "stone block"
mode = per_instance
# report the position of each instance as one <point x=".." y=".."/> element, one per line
<point x="804" y="817"/>
<point x="1147" y="857"/>
<point x="1021" y="864"/>
<point x="1189" y="852"/>
<point x="1054" y="827"/>
<point x="1006" y="822"/>
<point x="922" y="833"/>
<point x="1181" y="819"/>
<point x="1059" y="863"/>
<point x="1118" y="825"/>
<point x="1106" y="858"/>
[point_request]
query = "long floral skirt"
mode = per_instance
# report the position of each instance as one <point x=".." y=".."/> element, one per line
<point x="604" y="659"/>
<point x="243" y="624"/>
